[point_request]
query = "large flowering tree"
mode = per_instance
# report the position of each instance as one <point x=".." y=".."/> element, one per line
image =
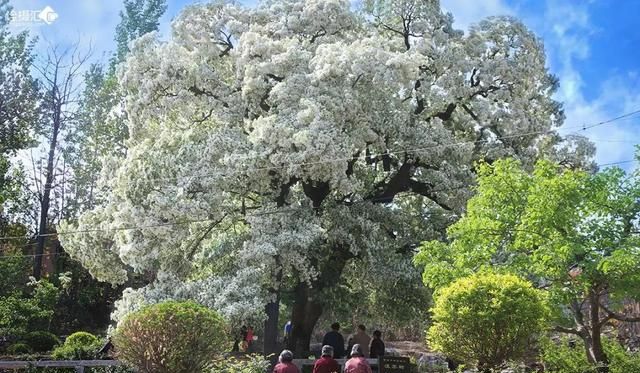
<point x="272" y="148"/>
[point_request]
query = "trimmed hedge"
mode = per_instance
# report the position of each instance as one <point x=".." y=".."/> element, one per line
<point x="171" y="337"/>
<point x="78" y="346"/>
<point x="19" y="348"/>
<point x="41" y="341"/>
<point x="487" y="319"/>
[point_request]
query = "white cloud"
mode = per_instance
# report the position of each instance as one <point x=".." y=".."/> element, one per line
<point x="615" y="141"/>
<point x="567" y="32"/>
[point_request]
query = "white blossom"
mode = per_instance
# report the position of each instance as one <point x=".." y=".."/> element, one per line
<point x="264" y="142"/>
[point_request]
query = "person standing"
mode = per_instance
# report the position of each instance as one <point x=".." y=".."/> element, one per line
<point x="243" y="338"/>
<point x="335" y="340"/>
<point x="377" y="345"/>
<point x="358" y="363"/>
<point x="287" y="332"/>
<point x="361" y="338"/>
<point x="249" y="339"/>
<point x="285" y="363"/>
<point x="326" y="363"/>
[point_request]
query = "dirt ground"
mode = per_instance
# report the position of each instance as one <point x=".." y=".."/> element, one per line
<point x="407" y="348"/>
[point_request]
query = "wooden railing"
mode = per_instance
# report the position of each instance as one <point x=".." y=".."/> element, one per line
<point x="79" y="365"/>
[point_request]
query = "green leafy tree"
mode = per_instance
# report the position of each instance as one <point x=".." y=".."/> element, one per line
<point x="29" y="310"/>
<point x="19" y="113"/>
<point x="138" y="18"/>
<point x="101" y="128"/>
<point x="570" y="232"/>
<point x="98" y="132"/>
<point x="18" y="90"/>
<point x="487" y="319"/>
<point x="566" y="355"/>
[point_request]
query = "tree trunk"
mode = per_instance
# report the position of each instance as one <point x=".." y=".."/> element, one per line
<point x="309" y="301"/>
<point x="272" y="311"/>
<point x="45" y="200"/>
<point x="305" y="315"/>
<point x="270" y="342"/>
<point x="593" y="341"/>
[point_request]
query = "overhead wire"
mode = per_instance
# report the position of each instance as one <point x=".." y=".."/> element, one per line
<point x="388" y="152"/>
<point x="418" y="150"/>
<point x="277" y="211"/>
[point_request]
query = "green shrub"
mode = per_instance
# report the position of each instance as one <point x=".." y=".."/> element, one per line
<point x="78" y="346"/>
<point x="19" y="348"/>
<point x="170" y="337"/>
<point x="248" y="364"/>
<point x="486" y="319"/>
<point x="621" y="360"/>
<point x="41" y="341"/>
<point x="20" y="313"/>
<point x="559" y="357"/>
<point x="80" y="339"/>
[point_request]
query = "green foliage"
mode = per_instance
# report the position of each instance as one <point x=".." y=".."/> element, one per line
<point x="247" y="364"/>
<point x="138" y="18"/>
<point x="78" y="346"/>
<point x="85" y="303"/>
<point x="542" y="224"/>
<point x="18" y="90"/>
<point x="19" y="112"/>
<point x="14" y="272"/>
<point x="560" y="357"/>
<point x="80" y="339"/>
<point x="171" y="337"/>
<point x="486" y="319"/>
<point x="570" y="232"/>
<point x="19" y="348"/>
<point x="565" y="357"/>
<point x="40" y="341"/>
<point x="20" y="313"/>
<point x="99" y="133"/>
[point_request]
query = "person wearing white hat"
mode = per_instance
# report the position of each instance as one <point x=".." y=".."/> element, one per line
<point x="358" y="363"/>
<point x="285" y="363"/>
<point x="326" y="363"/>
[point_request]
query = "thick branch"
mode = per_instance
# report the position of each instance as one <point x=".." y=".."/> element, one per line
<point x="446" y="115"/>
<point x="316" y="191"/>
<point x="203" y="92"/>
<point x="610" y="315"/>
<point x="426" y="190"/>
<point x="351" y="164"/>
<point x="562" y="329"/>
<point x="281" y="199"/>
<point x="198" y="240"/>
<point x="227" y="43"/>
<point x="403" y="181"/>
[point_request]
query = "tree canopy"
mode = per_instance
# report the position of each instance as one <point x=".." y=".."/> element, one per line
<point x="272" y="148"/>
<point x="571" y="232"/>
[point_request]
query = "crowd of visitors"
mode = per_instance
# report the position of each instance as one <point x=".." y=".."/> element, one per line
<point x="360" y="347"/>
<point x="372" y="347"/>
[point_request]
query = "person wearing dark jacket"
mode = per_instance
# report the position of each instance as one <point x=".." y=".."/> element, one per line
<point x="326" y="364"/>
<point x="335" y="340"/>
<point x="377" y="346"/>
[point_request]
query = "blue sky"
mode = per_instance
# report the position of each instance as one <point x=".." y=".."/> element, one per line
<point x="593" y="46"/>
